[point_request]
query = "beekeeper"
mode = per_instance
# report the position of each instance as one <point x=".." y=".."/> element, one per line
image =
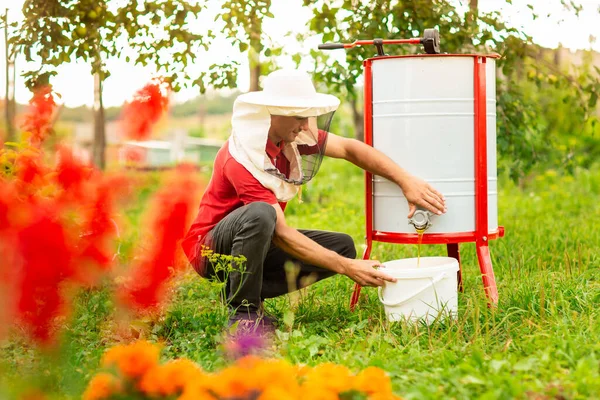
<point x="279" y="137"/>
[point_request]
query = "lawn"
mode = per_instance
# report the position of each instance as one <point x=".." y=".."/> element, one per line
<point x="541" y="341"/>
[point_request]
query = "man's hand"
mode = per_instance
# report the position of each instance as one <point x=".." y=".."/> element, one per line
<point x="416" y="191"/>
<point x="364" y="272"/>
<point x="420" y="193"/>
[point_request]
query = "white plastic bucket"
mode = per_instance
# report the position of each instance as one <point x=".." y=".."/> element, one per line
<point x="422" y="293"/>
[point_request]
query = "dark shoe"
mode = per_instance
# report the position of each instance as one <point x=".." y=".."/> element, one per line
<point x="252" y="322"/>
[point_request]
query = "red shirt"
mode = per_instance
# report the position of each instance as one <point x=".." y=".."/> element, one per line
<point x="232" y="186"/>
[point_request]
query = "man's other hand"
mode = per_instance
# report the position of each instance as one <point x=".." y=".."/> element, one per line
<point x="365" y="272"/>
<point x="420" y="194"/>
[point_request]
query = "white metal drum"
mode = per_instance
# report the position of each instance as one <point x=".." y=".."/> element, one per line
<point x="423" y="119"/>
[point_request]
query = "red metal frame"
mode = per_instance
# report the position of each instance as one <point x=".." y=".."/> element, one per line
<point x="454" y="252"/>
<point x="432" y="238"/>
<point x="481" y="236"/>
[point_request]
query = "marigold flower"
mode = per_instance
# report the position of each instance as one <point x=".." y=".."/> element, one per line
<point x="277" y="393"/>
<point x="233" y="382"/>
<point x="196" y="391"/>
<point x="102" y="386"/>
<point x="319" y="393"/>
<point x="275" y="372"/>
<point x="373" y="380"/>
<point x="330" y="377"/>
<point x="170" y="378"/>
<point x="133" y="360"/>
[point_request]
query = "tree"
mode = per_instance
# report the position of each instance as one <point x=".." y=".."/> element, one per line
<point x="158" y="32"/>
<point x="9" y="98"/>
<point x="521" y="135"/>
<point x="243" y="26"/>
<point x="377" y="19"/>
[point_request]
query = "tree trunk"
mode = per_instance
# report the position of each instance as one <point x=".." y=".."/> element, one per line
<point x="9" y="98"/>
<point x="254" y="61"/>
<point x="254" y="55"/>
<point x="357" y="118"/>
<point x="471" y="20"/>
<point x="99" y="144"/>
<point x="473" y="6"/>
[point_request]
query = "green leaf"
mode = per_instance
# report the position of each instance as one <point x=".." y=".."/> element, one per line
<point x="593" y="100"/>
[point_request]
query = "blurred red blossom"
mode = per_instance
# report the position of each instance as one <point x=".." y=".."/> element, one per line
<point x="56" y="229"/>
<point x="143" y="112"/>
<point x="45" y="255"/>
<point x="171" y="210"/>
<point x="39" y="117"/>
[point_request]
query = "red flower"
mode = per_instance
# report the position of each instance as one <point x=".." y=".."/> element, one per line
<point x="98" y="230"/>
<point x="172" y="208"/>
<point x="71" y="172"/>
<point x="38" y="119"/>
<point x="45" y="264"/>
<point x="148" y="105"/>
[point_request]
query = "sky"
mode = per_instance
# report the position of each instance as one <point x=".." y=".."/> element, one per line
<point x="75" y="84"/>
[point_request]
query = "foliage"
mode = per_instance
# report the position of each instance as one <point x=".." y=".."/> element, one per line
<point x="163" y="33"/>
<point x="157" y="32"/>
<point x="243" y="26"/>
<point x="243" y="23"/>
<point x="527" y="132"/>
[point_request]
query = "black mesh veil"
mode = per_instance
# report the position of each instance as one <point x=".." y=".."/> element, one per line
<point x="304" y="155"/>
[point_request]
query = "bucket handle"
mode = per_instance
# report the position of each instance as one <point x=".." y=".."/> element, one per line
<point x="415" y="294"/>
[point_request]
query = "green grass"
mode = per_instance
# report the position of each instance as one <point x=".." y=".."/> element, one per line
<point x="542" y="341"/>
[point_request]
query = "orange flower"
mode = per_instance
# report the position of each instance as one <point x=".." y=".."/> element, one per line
<point x="102" y="386"/>
<point x="329" y="377"/>
<point x="302" y="370"/>
<point x="196" y="391"/>
<point x="170" y="378"/>
<point x="277" y="393"/>
<point x="233" y="382"/>
<point x="319" y="393"/>
<point x="275" y="373"/>
<point x="373" y="380"/>
<point x="133" y="360"/>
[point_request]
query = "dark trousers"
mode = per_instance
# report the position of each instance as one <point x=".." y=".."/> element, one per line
<point x="248" y="231"/>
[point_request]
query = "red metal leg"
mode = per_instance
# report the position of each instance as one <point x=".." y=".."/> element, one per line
<point x="454" y="252"/>
<point x="487" y="273"/>
<point x="355" y="295"/>
<point x="357" y="287"/>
